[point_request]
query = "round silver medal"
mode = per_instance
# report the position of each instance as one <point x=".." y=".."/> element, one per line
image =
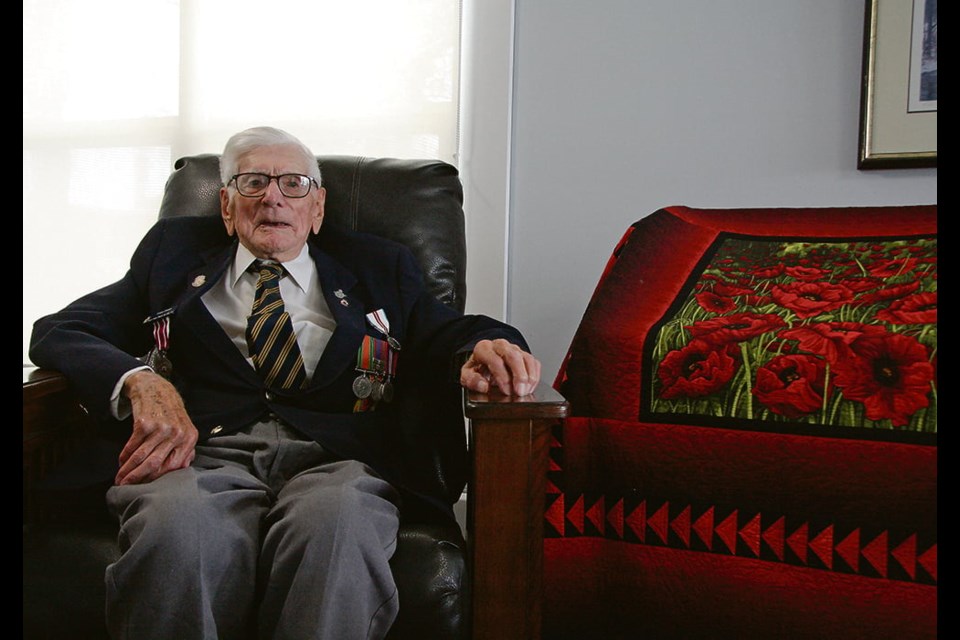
<point x="387" y="391"/>
<point x="362" y="387"/>
<point x="163" y="365"/>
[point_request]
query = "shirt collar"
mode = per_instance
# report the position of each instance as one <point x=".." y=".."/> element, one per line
<point x="298" y="269"/>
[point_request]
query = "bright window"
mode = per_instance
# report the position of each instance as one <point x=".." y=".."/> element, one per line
<point x="115" y="91"/>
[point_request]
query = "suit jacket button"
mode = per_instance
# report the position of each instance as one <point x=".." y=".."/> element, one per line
<point x="217" y="429"/>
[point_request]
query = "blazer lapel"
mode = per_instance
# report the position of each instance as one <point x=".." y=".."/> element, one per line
<point x="193" y="315"/>
<point x="339" y="291"/>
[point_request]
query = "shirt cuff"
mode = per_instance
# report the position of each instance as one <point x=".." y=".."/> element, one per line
<point x="119" y="403"/>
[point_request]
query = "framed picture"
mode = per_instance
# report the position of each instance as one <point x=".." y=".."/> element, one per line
<point x="898" y="100"/>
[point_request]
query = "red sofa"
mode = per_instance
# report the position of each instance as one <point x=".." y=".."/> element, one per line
<point x="751" y="450"/>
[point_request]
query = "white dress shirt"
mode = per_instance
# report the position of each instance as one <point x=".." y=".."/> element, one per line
<point x="230" y="301"/>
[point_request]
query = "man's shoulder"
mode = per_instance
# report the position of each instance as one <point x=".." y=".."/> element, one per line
<point x="173" y="244"/>
<point x="193" y="225"/>
<point x="190" y="233"/>
<point x="349" y="246"/>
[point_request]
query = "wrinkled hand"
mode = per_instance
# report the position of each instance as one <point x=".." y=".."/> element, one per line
<point x="501" y="364"/>
<point x="163" y="437"/>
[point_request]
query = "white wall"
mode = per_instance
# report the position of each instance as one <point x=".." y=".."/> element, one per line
<point x="622" y="107"/>
<point x="486" y="73"/>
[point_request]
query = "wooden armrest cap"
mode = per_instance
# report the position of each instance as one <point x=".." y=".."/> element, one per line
<point x="544" y="403"/>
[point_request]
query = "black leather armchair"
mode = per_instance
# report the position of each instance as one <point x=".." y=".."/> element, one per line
<point x="486" y="585"/>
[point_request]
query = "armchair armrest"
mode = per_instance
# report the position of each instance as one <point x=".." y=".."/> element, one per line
<point x="509" y="440"/>
<point x="53" y="423"/>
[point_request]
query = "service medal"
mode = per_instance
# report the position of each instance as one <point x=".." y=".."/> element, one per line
<point x="378" y="320"/>
<point x="157" y="358"/>
<point x="362" y="386"/>
<point x="386" y="390"/>
<point x="163" y="366"/>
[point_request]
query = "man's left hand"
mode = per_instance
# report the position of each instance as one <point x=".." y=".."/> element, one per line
<point x="500" y="364"/>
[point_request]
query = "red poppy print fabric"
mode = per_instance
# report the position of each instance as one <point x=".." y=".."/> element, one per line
<point x="836" y="333"/>
<point x="809" y="321"/>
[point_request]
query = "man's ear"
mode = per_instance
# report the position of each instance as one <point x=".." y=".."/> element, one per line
<point x="318" y="213"/>
<point x="225" y="212"/>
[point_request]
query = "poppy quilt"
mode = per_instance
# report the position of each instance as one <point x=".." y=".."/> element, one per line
<point x="753" y="441"/>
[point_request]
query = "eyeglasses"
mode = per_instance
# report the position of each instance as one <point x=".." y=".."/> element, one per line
<point x="292" y="185"/>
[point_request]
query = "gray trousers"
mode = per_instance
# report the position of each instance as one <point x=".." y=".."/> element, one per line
<point x="264" y="535"/>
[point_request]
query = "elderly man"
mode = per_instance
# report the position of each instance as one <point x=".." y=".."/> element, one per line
<point x="259" y="491"/>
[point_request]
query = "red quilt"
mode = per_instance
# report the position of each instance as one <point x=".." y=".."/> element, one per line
<point x="752" y="451"/>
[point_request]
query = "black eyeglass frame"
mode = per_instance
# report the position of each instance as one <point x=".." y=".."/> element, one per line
<point x="269" y="177"/>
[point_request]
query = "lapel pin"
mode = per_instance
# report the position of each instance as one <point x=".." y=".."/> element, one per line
<point x="344" y="302"/>
<point x="198" y="281"/>
<point x="340" y="294"/>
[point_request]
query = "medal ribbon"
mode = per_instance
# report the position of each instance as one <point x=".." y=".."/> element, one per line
<point x="160" y="324"/>
<point x="376" y="356"/>
<point x="161" y="333"/>
<point x="378" y="320"/>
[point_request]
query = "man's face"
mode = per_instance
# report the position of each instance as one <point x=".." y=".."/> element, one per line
<point x="271" y="225"/>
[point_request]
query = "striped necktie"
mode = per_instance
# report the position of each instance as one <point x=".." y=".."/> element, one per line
<point x="270" y="336"/>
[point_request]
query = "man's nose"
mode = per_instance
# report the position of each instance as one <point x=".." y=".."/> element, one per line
<point x="272" y="193"/>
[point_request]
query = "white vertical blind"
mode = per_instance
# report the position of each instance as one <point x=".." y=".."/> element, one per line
<point x="114" y="91"/>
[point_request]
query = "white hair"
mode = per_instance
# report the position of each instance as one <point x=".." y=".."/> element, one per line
<point x="240" y="144"/>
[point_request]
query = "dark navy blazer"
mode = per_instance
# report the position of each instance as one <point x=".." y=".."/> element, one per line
<point x="96" y="339"/>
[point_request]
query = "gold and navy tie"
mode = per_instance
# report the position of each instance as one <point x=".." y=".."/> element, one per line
<point x="270" y="336"/>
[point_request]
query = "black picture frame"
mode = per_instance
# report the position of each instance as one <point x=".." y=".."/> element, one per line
<point x="892" y="136"/>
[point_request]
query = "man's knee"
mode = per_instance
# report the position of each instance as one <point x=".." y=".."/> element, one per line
<point x="177" y="511"/>
<point x="343" y="498"/>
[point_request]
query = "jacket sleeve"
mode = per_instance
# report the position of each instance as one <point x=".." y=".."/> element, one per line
<point x="438" y="335"/>
<point x="95" y="340"/>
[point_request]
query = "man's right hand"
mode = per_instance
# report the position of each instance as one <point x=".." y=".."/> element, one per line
<point x="163" y="437"/>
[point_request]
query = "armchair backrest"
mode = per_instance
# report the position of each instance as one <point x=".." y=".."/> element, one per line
<point x="417" y="203"/>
